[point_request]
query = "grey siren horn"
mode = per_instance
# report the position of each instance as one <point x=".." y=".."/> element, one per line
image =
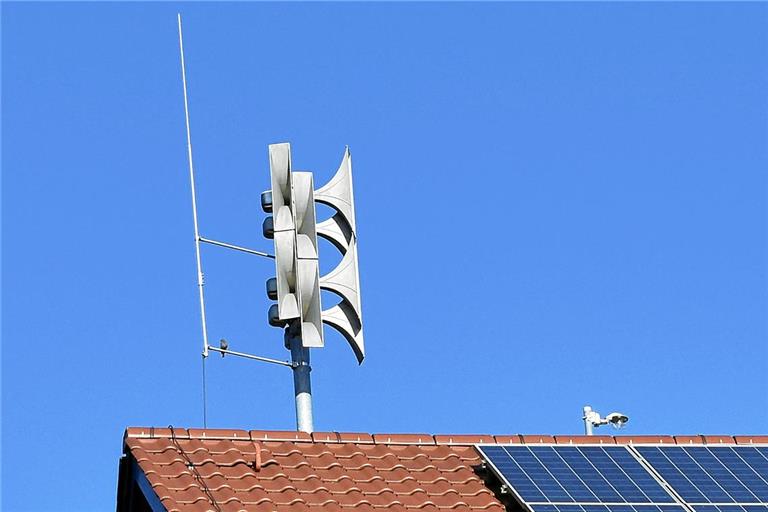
<point x="284" y="230"/>
<point x="344" y="280"/>
<point x="346" y="317"/>
<point x="338" y="191"/>
<point x="307" y="285"/>
<point x="344" y="320"/>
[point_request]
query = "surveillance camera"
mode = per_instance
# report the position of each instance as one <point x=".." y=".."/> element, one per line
<point x="617" y="419"/>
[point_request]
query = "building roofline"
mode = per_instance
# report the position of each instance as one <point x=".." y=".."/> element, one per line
<point x="430" y="439"/>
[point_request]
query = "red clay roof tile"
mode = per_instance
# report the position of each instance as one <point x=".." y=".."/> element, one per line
<point x="463" y="439"/>
<point x="751" y="439"/>
<point x="719" y="440"/>
<point x="403" y="439"/>
<point x="645" y="440"/>
<point x="218" y="433"/>
<point x="585" y="440"/>
<point x="689" y="440"/>
<point x="279" y="435"/>
<point x="281" y="471"/>
<point x="529" y="439"/>
<point x="515" y="439"/>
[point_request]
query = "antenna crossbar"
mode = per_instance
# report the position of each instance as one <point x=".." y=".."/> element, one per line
<point x="235" y="247"/>
<point x="223" y="351"/>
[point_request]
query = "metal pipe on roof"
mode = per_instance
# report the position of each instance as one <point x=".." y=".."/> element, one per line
<point x="588" y="420"/>
<point x="301" y="382"/>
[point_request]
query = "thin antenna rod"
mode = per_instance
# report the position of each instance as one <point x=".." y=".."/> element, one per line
<point x="194" y="197"/>
<point x="235" y="247"/>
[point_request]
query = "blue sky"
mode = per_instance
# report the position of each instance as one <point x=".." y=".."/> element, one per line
<point x="557" y="204"/>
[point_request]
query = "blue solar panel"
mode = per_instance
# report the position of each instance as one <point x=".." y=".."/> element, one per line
<point x="584" y="475"/>
<point x="713" y="474"/>
<point x="730" y="508"/>
<point x="608" y="508"/>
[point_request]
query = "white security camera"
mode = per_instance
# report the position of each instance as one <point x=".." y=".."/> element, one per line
<point x="592" y="420"/>
<point x="617" y="419"/>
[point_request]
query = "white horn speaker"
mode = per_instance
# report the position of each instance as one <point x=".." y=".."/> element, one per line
<point x="344" y="280"/>
<point x="306" y="255"/>
<point x="284" y="230"/>
<point x="337" y="193"/>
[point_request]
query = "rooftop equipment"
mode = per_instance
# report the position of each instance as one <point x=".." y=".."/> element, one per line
<point x="296" y="286"/>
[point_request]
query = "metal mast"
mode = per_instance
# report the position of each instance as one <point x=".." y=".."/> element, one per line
<point x="302" y="385"/>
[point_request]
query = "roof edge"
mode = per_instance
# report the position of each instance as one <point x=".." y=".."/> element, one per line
<point x="430" y="439"/>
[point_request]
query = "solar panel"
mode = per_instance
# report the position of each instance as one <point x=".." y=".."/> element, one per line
<point x="579" y="479"/>
<point x="730" y="508"/>
<point x="609" y="508"/>
<point x="718" y="475"/>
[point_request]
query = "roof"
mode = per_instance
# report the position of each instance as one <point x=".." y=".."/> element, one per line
<point x="286" y="471"/>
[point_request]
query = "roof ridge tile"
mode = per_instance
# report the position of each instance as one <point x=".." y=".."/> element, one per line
<point x="463" y="439"/>
<point x="645" y="439"/>
<point x="410" y="439"/>
<point x="751" y="439"/>
<point x="280" y="435"/>
<point x="508" y="439"/>
<point x="585" y="440"/>
<point x="155" y="433"/>
<point x="218" y="434"/>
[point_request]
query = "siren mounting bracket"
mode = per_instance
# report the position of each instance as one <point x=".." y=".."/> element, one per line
<point x="262" y="359"/>
<point x="235" y="247"/>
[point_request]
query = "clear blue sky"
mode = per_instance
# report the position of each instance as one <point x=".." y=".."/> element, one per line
<point x="557" y="205"/>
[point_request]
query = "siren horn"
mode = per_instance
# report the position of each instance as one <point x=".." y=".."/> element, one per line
<point x="281" y="227"/>
<point x="344" y="280"/>
<point x="307" y="280"/>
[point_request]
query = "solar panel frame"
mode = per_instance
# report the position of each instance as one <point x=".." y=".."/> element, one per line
<point x="741" y="474"/>
<point x="720" y="476"/>
<point x="729" y="508"/>
<point x="608" y="508"/>
<point x="624" y="480"/>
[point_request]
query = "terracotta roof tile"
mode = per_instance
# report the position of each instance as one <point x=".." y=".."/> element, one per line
<point x="218" y="433"/>
<point x="751" y="439"/>
<point x="528" y="439"/>
<point x="464" y="439"/>
<point x="645" y="440"/>
<point x="585" y="440"/>
<point x="403" y="439"/>
<point x="281" y="471"/>
<point x="719" y="440"/>
<point x="515" y="439"/>
<point x="279" y="435"/>
<point x="689" y="439"/>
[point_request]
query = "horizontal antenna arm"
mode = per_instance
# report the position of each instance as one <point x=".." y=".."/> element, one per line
<point x="235" y="247"/>
<point x="249" y="356"/>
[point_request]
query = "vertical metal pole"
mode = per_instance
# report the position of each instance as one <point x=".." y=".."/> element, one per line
<point x="301" y="382"/>
<point x="587" y="420"/>
<point x="200" y="280"/>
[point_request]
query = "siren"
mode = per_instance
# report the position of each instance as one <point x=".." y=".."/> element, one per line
<point x="281" y="226"/>
<point x="307" y="277"/>
<point x="344" y="280"/>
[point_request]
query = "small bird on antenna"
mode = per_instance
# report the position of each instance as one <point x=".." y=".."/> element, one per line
<point x="223" y="345"/>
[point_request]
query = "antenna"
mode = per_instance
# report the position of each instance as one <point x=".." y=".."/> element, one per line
<point x="200" y="278"/>
<point x="297" y="283"/>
